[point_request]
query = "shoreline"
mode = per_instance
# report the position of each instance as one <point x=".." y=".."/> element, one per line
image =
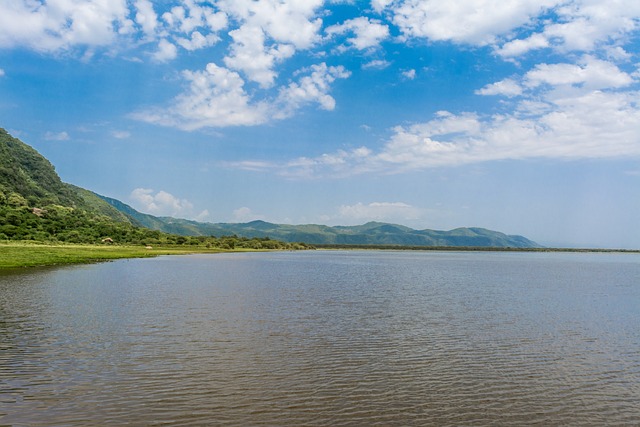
<point x="17" y="256"/>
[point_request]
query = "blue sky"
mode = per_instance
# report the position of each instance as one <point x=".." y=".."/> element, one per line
<point x="520" y="116"/>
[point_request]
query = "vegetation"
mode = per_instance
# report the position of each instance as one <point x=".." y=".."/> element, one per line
<point x="37" y="207"/>
<point x="29" y="254"/>
<point x="60" y="224"/>
<point x="372" y="233"/>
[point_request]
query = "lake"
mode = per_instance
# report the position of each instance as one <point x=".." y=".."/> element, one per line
<point x="325" y="338"/>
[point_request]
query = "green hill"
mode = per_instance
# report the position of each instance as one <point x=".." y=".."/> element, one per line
<point x="36" y="205"/>
<point x="372" y="233"/>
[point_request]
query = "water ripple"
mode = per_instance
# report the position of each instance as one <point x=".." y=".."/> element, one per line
<point x="324" y="339"/>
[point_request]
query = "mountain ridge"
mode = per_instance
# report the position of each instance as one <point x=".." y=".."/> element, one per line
<point x="36" y="204"/>
<point x="370" y="233"/>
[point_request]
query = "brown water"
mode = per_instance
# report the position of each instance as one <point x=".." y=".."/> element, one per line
<point x="325" y="338"/>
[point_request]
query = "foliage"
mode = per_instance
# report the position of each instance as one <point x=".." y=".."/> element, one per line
<point x="35" y="205"/>
<point x="24" y="254"/>
<point x="56" y="223"/>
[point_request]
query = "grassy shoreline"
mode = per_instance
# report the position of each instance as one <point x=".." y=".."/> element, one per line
<point x="16" y="255"/>
<point x="19" y="255"/>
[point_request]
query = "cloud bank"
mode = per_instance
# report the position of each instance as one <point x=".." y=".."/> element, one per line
<point x="579" y="103"/>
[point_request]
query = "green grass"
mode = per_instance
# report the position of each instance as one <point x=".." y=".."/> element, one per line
<point x="19" y="255"/>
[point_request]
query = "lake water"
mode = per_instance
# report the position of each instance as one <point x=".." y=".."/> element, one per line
<point x="325" y="338"/>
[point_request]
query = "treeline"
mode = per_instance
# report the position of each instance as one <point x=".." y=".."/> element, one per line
<point x="19" y="220"/>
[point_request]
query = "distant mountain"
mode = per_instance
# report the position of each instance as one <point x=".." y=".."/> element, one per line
<point x="36" y="204"/>
<point x="371" y="233"/>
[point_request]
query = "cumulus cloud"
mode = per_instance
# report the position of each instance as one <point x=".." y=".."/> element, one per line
<point x="245" y="86"/>
<point x="506" y="87"/>
<point x="293" y="22"/>
<point x="197" y="41"/>
<point x="378" y="211"/>
<point x="2" y="72"/>
<point x="269" y="32"/>
<point x="464" y="21"/>
<point x="55" y="25"/>
<point x="580" y="25"/>
<point x="146" y="17"/>
<point x="563" y="111"/>
<point x="311" y="88"/>
<point x="517" y="27"/>
<point x="162" y="203"/>
<point x="216" y="98"/>
<point x="166" y="51"/>
<point x="368" y="33"/>
<point x="409" y="74"/>
<point x="67" y="24"/>
<point x="250" y="55"/>
<point x="590" y="73"/>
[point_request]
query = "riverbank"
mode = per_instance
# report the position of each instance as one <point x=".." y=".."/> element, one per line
<point x="20" y="255"/>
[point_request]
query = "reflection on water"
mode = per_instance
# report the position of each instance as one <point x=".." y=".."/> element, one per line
<point x="325" y="338"/>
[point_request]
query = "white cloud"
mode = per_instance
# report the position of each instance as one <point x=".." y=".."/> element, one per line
<point x="378" y="64"/>
<point x="292" y="22"/>
<point x="409" y="74"/>
<point x="506" y="87"/>
<point x="245" y="214"/>
<point x="62" y="24"/>
<point x="250" y="55"/>
<point x="190" y="15"/>
<point x="563" y="111"/>
<point x="591" y="74"/>
<point x="380" y="5"/>
<point x="146" y="17"/>
<point x="580" y="25"/>
<point x="215" y="98"/>
<point x="368" y="32"/>
<point x="197" y="41"/>
<point x="2" y="73"/>
<point x="166" y="51"/>
<point x="311" y="88"/>
<point x="162" y="203"/>
<point x="517" y="27"/>
<point x="56" y="136"/>
<point x="521" y="46"/>
<point x="464" y="21"/>
<point x="67" y="24"/>
<point x="269" y="32"/>
<point x="378" y="211"/>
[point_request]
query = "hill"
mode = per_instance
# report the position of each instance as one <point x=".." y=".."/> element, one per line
<point x="36" y="205"/>
<point x="372" y="233"/>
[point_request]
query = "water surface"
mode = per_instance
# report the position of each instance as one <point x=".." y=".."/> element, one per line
<point x="325" y="338"/>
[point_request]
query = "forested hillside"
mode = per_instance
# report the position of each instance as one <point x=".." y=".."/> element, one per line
<point x="36" y="205"/>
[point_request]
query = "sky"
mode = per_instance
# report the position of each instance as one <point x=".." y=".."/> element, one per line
<point x="519" y="116"/>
